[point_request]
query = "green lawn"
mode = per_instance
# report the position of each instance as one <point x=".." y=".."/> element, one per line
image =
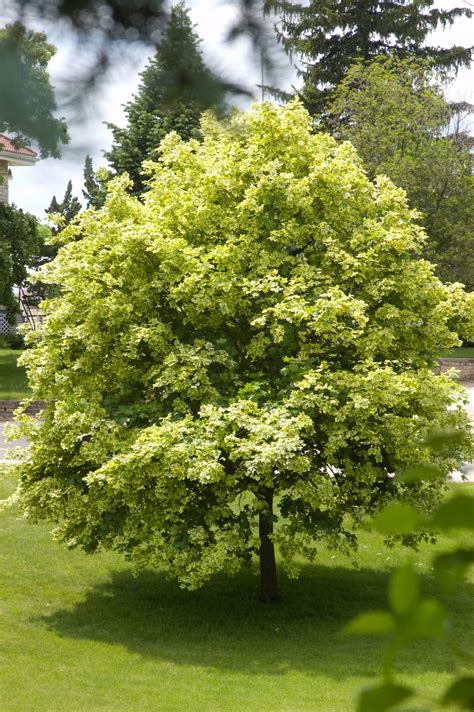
<point x="13" y="381"/>
<point x="462" y="352"/>
<point x="80" y="633"/>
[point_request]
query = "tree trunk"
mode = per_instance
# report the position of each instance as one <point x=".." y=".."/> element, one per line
<point x="268" y="575"/>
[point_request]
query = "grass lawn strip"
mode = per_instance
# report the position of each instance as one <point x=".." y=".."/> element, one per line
<point x="13" y="380"/>
<point x="79" y="632"/>
<point x="462" y="352"/>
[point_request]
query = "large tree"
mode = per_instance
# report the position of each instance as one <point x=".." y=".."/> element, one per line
<point x="29" y="114"/>
<point x="243" y="359"/>
<point x="20" y="242"/>
<point x="395" y="114"/>
<point x="176" y="88"/>
<point x="329" y="36"/>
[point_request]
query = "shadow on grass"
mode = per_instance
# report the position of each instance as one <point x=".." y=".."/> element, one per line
<point x="223" y="625"/>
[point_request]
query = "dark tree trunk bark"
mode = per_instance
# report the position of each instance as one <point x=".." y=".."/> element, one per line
<point x="268" y="575"/>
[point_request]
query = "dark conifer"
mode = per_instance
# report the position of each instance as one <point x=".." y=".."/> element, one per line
<point x="95" y="189"/>
<point x="176" y="88"/>
<point x="329" y="35"/>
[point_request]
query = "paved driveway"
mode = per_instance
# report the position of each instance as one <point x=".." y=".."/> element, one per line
<point x="456" y="476"/>
<point x="6" y="446"/>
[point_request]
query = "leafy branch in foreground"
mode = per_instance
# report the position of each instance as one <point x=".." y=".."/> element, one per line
<point x="28" y="102"/>
<point x="411" y="616"/>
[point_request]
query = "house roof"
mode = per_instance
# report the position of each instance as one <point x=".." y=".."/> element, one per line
<point x="14" y="155"/>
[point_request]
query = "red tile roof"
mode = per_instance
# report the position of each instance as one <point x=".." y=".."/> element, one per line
<point x="7" y="146"/>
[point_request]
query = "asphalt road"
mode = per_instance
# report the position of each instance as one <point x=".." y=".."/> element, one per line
<point x="7" y="447"/>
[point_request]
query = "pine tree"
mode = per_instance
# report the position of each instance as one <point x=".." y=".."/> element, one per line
<point x="95" y="189"/>
<point x="176" y="88"/>
<point x="68" y="208"/>
<point x="329" y="36"/>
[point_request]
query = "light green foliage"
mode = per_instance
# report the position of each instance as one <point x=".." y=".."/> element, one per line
<point x="395" y="114"/>
<point x="413" y="617"/>
<point x="261" y="322"/>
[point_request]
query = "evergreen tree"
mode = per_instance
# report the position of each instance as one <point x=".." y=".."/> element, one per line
<point x="329" y="36"/>
<point x="68" y="208"/>
<point x="95" y="189"/>
<point x="176" y="88"/>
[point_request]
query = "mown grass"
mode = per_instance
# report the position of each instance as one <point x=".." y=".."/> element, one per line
<point x="80" y="633"/>
<point x="13" y="380"/>
<point x="461" y="352"/>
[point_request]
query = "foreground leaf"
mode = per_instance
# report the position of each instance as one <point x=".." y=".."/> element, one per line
<point x="456" y="513"/>
<point x="440" y="440"/>
<point x="404" y="591"/>
<point x="420" y="472"/>
<point x="451" y="567"/>
<point x="460" y="694"/>
<point x="397" y="519"/>
<point x="428" y="620"/>
<point x="382" y="697"/>
<point x="371" y="623"/>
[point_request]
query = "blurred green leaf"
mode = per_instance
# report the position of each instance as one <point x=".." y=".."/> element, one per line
<point x="456" y="513"/>
<point x="420" y="472"/>
<point x="451" y="567"/>
<point x="371" y="623"/>
<point x="428" y="620"/>
<point x="382" y="697"/>
<point x="460" y="694"/>
<point x="404" y="591"/>
<point x="440" y="440"/>
<point x="397" y="519"/>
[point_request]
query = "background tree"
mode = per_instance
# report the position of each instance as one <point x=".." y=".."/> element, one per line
<point x="20" y="241"/>
<point x="95" y="184"/>
<point x="28" y="115"/>
<point x="328" y="37"/>
<point x="64" y="211"/>
<point x="176" y="88"/>
<point x="395" y="114"/>
<point x="246" y="357"/>
<point x="67" y="209"/>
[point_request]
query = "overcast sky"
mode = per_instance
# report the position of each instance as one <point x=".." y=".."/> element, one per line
<point x="33" y="187"/>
